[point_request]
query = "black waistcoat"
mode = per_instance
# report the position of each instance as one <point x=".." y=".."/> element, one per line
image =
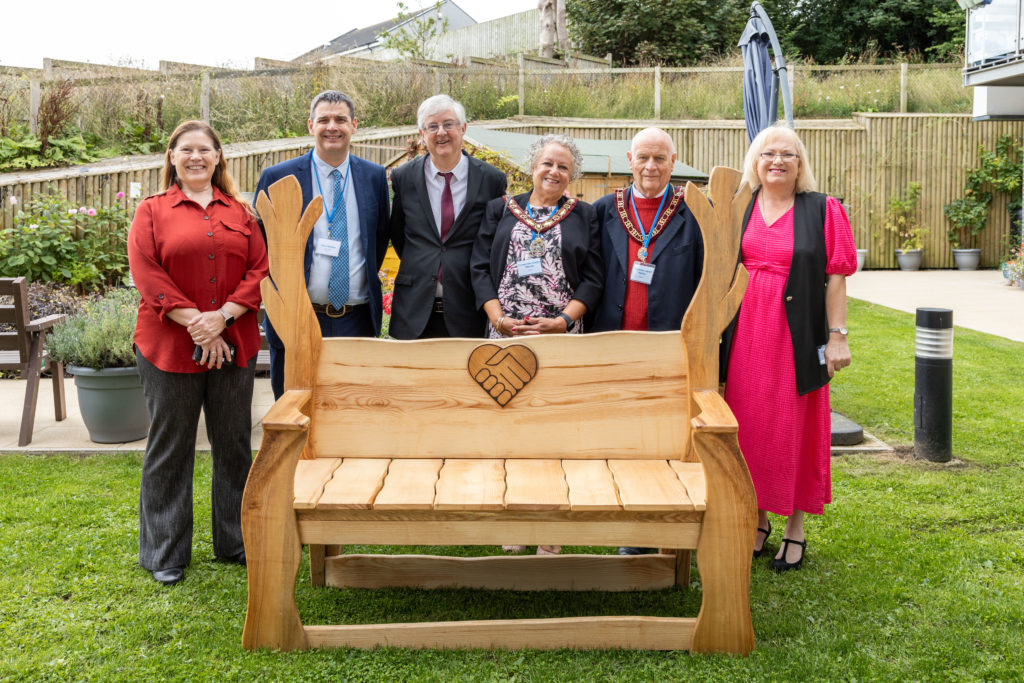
<point x="804" y="295"/>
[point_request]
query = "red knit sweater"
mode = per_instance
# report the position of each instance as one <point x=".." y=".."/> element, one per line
<point x="634" y="313"/>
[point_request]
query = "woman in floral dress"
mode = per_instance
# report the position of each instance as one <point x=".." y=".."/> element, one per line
<point x="790" y="338"/>
<point x="536" y="265"/>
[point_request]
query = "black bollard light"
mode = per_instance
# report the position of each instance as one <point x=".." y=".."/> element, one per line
<point x="933" y="385"/>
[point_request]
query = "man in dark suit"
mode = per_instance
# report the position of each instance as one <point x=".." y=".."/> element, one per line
<point x="651" y="244"/>
<point x="347" y="244"/>
<point x="438" y="204"/>
<point x="652" y="248"/>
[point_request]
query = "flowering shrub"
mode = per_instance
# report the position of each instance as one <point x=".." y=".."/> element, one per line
<point x="387" y="283"/>
<point x="51" y="240"/>
<point x="100" y="335"/>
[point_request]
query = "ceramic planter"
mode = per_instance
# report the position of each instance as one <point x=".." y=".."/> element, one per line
<point x="967" y="259"/>
<point x="862" y="255"/>
<point x="112" y="402"/>
<point x="909" y="259"/>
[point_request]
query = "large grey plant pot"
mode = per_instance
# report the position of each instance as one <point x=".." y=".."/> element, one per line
<point x="862" y="256"/>
<point x="909" y="259"/>
<point x="967" y="259"/>
<point x="112" y="403"/>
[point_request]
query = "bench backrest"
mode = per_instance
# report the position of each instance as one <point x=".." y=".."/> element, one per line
<point x="610" y="395"/>
<point x="17" y="314"/>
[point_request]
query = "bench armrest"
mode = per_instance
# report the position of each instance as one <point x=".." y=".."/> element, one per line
<point x="289" y="413"/>
<point x="45" y="323"/>
<point x="715" y="415"/>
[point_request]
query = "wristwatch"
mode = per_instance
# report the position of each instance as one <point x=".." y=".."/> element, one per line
<point x="841" y="330"/>
<point x="229" y="319"/>
<point x="569" y="322"/>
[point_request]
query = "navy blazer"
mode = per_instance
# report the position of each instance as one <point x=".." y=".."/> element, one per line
<point x="371" y="186"/>
<point x="678" y="257"/>
<point x="418" y="242"/>
<point x="581" y="251"/>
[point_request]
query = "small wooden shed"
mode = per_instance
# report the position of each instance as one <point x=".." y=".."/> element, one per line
<point x="605" y="167"/>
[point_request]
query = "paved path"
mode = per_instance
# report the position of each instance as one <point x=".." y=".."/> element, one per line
<point x="979" y="299"/>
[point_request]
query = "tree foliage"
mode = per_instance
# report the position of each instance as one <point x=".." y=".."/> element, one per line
<point x="410" y="41"/>
<point x="830" y="31"/>
<point x="681" y="32"/>
<point x="676" y="32"/>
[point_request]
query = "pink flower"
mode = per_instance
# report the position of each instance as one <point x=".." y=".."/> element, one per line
<point x="82" y="209"/>
<point x="72" y="212"/>
<point x="91" y="212"/>
<point x="120" y="195"/>
<point x="14" y="200"/>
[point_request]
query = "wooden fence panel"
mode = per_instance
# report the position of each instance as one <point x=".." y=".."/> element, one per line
<point x="865" y="160"/>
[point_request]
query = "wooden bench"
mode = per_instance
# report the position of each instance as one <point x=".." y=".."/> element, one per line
<point x="22" y="350"/>
<point x="563" y="439"/>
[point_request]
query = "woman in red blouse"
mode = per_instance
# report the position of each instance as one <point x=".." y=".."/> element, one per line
<point x="197" y="257"/>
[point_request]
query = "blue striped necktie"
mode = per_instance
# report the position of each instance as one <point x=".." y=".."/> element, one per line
<point x="337" y="290"/>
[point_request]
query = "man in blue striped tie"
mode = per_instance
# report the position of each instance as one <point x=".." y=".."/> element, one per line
<point x="347" y="244"/>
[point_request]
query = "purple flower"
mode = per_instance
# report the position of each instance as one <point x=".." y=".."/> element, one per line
<point x="120" y="195"/>
<point x="91" y="212"/>
<point x="82" y="209"/>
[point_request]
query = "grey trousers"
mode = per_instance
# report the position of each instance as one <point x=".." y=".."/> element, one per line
<point x="174" y="400"/>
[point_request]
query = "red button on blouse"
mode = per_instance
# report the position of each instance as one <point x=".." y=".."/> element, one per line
<point x="184" y="256"/>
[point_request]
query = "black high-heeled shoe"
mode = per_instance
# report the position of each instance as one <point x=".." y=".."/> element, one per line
<point x="779" y="564"/>
<point x="767" y="532"/>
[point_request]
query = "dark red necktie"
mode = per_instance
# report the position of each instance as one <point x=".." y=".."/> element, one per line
<point x="447" y="211"/>
<point x="447" y="206"/>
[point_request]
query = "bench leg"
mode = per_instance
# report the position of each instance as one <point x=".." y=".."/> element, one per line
<point x="60" y="404"/>
<point x="32" y="371"/>
<point x="272" y="548"/>
<point x="725" y="547"/>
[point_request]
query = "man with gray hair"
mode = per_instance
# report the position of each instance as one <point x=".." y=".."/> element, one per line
<point x="651" y="245"/>
<point x="438" y="204"/>
<point x="347" y="244"/>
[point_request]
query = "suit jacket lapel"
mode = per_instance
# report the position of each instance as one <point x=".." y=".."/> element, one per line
<point x="619" y="238"/>
<point x="305" y="178"/>
<point x="674" y="225"/>
<point x="364" y="200"/>
<point x="419" y="182"/>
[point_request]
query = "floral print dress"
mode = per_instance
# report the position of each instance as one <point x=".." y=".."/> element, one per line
<point x="544" y="295"/>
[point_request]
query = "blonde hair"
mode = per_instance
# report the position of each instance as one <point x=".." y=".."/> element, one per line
<point x="222" y="180"/>
<point x="805" y="181"/>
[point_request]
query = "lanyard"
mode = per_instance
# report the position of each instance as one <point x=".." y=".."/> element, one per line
<point x="337" y="200"/>
<point x="647" y="233"/>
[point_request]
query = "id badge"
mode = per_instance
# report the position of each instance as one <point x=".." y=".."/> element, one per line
<point x="530" y="266"/>
<point x="327" y="247"/>
<point x="642" y="272"/>
<point x="821" y="355"/>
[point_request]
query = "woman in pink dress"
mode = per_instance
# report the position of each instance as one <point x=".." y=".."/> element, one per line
<point x="790" y="337"/>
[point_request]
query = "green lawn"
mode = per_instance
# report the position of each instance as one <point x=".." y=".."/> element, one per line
<point x="915" y="572"/>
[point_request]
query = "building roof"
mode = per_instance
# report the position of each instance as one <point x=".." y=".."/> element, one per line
<point x="369" y="35"/>
<point x="600" y="157"/>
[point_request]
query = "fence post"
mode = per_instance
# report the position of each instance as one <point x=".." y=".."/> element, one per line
<point x="522" y="86"/>
<point x="657" y="91"/>
<point x="437" y="81"/>
<point x="903" y="87"/>
<point x="34" y="88"/>
<point x="204" y="97"/>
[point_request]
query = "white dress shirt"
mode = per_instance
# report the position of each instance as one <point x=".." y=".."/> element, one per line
<point x="320" y="271"/>
<point x="435" y="188"/>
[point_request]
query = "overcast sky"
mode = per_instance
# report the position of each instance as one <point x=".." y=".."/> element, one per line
<point x="210" y="32"/>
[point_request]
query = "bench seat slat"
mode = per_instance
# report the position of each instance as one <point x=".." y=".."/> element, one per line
<point x="535" y="485"/>
<point x="310" y="478"/>
<point x="471" y="484"/>
<point x="692" y="476"/>
<point x="355" y="484"/>
<point x="410" y="485"/>
<point x="591" y="485"/>
<point x="648" y="485"/>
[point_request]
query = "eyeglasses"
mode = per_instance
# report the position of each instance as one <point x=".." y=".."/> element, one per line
<point x="448" y="126"/>
<point x="772" y="156"/>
